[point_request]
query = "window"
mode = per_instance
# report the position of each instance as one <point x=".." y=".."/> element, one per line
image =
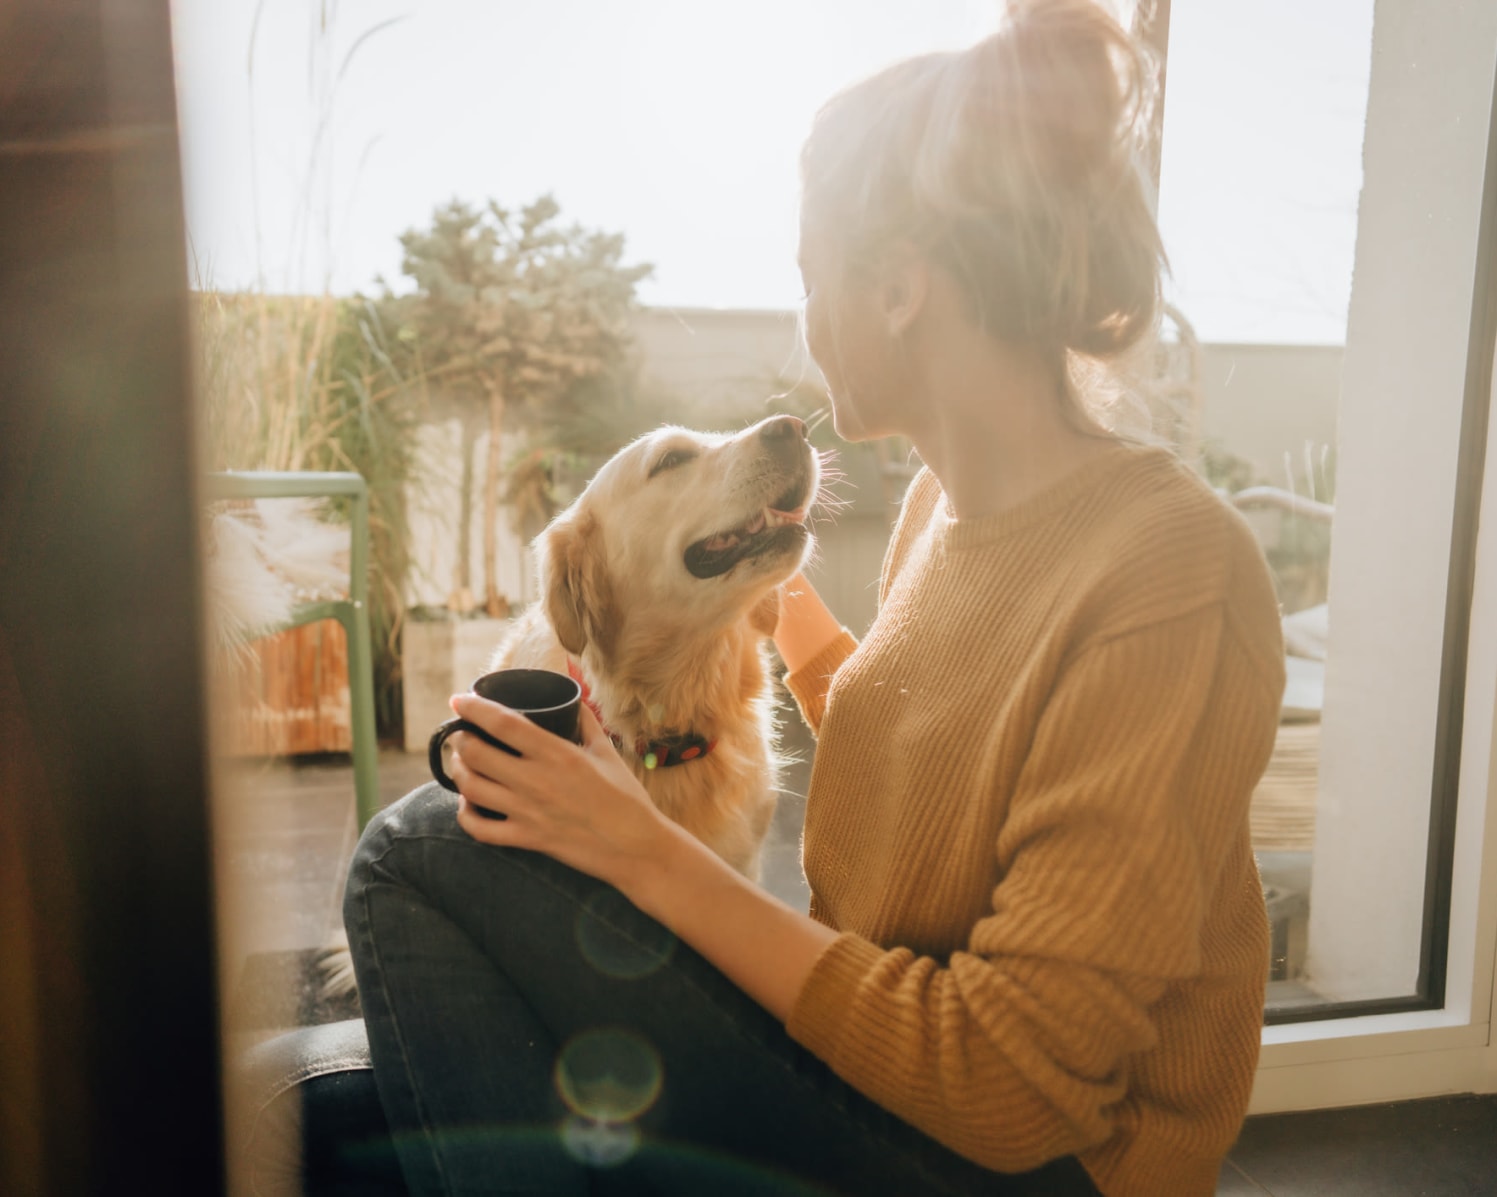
<point x="1398" y="935"/>
<point x="1327" y="201"/>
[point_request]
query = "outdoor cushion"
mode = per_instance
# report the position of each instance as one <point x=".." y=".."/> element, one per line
<point x="315" y="1123"/>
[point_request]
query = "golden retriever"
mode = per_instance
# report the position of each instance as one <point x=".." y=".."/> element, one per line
<point x="659" y="586"/>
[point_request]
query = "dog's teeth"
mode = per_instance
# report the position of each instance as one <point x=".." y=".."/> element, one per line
<point x="756" y="525"/>
<point x="723" y="540"/>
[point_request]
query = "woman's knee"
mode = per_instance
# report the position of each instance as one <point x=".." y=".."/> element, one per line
<point x="426" y="814"/>
<point x="418" y="844"/>
<point x="426" y="810"/>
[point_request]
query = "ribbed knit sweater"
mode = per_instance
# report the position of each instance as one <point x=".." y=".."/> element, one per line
<point x="1028" y="818"/>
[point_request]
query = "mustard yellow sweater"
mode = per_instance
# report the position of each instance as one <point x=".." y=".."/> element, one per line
<point x="1028" y="817"/>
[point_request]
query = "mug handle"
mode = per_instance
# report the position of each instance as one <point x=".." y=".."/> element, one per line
<point x="434" y="755"/>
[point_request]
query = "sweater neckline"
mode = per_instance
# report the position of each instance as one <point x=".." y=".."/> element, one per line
<point x="1058" y="496"/>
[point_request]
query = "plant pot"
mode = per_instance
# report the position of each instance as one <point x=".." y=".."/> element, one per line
<point x="439" y="658"/>
<point x="289" y="695"/>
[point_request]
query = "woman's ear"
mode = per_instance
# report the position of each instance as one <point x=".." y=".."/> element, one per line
<point x="904" y="283"/>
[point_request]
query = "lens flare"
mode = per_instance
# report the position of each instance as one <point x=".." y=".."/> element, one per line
<point x="608" y="1075"/>
<point x="616" y="953"/>
<point x="599" y="1144"/>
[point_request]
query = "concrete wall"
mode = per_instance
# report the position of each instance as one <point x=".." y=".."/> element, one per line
<point x="724" y="354"/>
<point x="1261" y="402"/>
<point x="1265" y="401"/>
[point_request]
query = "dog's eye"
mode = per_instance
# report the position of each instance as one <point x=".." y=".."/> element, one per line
<point x="671" y="459"/>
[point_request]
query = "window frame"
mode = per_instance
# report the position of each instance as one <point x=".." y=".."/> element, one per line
<point x="1439" y="1039"/>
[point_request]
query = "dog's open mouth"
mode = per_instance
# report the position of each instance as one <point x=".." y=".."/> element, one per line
<point x="779" y="526"/>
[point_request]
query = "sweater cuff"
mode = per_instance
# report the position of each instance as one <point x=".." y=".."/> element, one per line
<point x="821" y="1010"/>
<point x="809" y="683"/>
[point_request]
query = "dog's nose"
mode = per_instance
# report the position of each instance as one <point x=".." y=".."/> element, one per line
<point x="783" y="428"/>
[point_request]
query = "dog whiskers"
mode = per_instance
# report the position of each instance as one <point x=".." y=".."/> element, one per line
<point x="819" y="417"/>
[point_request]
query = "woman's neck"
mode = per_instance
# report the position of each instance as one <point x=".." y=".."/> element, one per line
<point x="995" y="430"/>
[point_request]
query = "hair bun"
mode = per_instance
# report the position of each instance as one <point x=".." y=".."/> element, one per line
<point x="1072" y="86"/>
<point x="1015" y="165"/>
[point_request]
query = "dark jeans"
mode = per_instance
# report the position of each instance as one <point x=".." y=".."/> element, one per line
<point x="533" y="1032"/>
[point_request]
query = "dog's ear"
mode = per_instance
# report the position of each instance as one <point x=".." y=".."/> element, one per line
<point x="578" y="598"/>
<point x="765" y="616"/>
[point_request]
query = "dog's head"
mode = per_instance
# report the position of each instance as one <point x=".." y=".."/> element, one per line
<point x="686" y="527"/>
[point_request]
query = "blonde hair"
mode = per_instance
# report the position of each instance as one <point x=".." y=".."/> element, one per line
<point x="1015" y="165"/>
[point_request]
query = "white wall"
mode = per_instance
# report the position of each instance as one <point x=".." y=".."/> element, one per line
<point x="433" y="512"/>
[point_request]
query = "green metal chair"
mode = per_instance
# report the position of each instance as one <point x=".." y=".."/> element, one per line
<point x="352" y="612"/>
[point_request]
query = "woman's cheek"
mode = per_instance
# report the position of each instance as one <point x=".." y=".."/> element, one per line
<point x="822" y="346"/>
<point x="818" y="343"/>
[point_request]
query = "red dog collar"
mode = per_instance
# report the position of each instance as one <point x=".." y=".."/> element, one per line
<point x="656" y="754"/>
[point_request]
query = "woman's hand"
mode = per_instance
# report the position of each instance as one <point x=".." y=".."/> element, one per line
<point x="579" y="805"/>
<point x="584" y="807"/>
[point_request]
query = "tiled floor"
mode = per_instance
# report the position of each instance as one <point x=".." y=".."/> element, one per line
<point x="1440" y="1148"/>
<point x="294" y="831"/>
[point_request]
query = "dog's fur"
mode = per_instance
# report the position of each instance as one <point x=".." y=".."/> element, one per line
<point x="661" y="583"/>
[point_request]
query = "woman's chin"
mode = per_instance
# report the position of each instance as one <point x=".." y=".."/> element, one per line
<point x="853" y="429"/>
<point x="847" y="425"/>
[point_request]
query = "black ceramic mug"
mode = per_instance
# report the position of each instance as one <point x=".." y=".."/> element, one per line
<point x="549" y="700"/>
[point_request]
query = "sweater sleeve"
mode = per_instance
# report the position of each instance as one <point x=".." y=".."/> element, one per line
<point x="809" y="684"/>
<point x="1132" y="798"/>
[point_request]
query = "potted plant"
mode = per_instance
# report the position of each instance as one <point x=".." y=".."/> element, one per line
<point x="310" y="383"/>
<point x="512" y="316"/>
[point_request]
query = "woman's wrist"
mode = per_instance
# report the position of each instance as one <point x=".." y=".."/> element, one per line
<point x="654" y="879"/>
<point x="678" y="877"/>
<point x="759" y="943"/>
<point x="806" y="625"/>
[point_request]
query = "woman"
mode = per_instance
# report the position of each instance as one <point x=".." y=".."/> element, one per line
<point x="1037" y="946"/>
